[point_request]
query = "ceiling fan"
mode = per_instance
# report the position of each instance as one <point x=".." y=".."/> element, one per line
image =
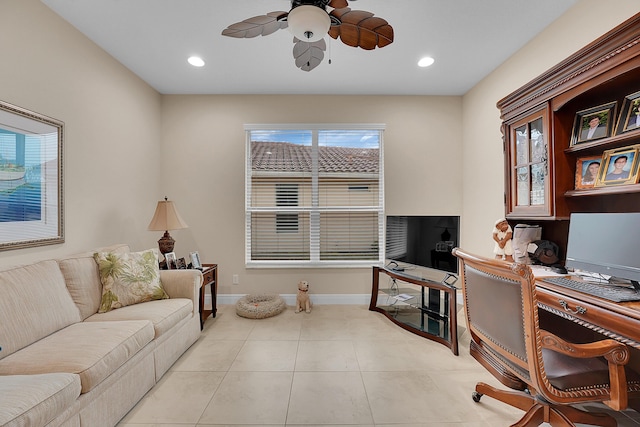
<point x="310" y="20"/>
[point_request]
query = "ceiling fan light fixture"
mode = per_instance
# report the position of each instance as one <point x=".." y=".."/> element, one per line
<point x="309" y="23"/>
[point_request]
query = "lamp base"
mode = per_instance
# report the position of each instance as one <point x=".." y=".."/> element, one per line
<point x="166" y="243"/>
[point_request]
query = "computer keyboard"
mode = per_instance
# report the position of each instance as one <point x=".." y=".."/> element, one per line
<point x="608" y="292"/>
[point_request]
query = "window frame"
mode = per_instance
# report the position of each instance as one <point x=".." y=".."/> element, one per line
<point x="315" y="261"/>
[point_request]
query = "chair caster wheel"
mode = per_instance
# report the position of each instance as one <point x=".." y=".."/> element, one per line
<point x="476" y="396"/>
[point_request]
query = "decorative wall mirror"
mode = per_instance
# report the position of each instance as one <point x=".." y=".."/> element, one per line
<point x="31" y="190"/>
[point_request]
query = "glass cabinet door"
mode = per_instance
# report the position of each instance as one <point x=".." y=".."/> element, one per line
<point x="528" y="167"/>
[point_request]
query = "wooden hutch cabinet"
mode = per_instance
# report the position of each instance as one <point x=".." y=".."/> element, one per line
<point x="528" y="163"/>
<point x="542" y="125"/>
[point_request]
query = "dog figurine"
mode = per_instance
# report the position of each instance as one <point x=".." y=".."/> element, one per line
<point x="303" y="302"/>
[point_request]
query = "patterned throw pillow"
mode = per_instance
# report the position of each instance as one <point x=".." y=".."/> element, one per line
<point x="128" y="278"/>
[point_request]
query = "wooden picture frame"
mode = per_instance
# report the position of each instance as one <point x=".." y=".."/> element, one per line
<point x="619" y="167"/>
<point x="587" y="169"/>
<point x="594" y="123"/>
<point x="630" y="114"/>
<point x="31" y="185"/>
<point x="172" y="262"/>
<point x="195" y="260"/>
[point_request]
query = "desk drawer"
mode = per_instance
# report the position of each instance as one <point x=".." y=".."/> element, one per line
<point x="207" y="277"/>
<point x="596" y="315"/>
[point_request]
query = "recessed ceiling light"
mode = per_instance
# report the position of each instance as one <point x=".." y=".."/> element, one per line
<point x="426" y="61"/>
<point x="196" y="61"/>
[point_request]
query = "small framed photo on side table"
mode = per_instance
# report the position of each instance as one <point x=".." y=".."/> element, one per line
<point x="195" y="260"/>
<point x="170" y="258"/>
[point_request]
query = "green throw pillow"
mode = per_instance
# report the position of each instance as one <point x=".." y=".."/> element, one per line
<point x="128" y="278"/>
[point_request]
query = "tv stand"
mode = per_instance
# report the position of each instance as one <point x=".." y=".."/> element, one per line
<point x="422" y="306"/>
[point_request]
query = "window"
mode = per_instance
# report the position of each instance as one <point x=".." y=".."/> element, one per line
<point x="286" y="195"/>
<point x="314" y="195"/>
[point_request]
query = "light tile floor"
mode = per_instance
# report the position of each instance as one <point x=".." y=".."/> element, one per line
<point x="336" y="366"/>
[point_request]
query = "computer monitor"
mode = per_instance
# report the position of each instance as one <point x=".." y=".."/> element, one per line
<point x="605" y="243"/>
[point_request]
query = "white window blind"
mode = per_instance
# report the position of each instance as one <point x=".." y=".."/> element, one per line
<point x="314" y="195"/>
<point x="24" y="163"/>
<point x="396" y="238"/>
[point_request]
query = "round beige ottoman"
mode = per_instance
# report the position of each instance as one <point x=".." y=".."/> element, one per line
<point x="260" y="306"/>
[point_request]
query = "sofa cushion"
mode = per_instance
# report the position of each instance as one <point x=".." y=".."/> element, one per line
<point x="128" y="278"/>
<point x="35" y="400"/>
<point x="93" y="350"/>
<point x="81" y="274"/>
<point x="164" y="314"/>
<point x="34" y="302"/>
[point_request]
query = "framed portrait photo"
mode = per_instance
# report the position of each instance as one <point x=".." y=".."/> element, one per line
<point x="195" y="260"/>
<point x="630" y="115"/>
<point x="587" y="169"/>
<point x="172" y="262"/>
<point x="594" y="123"/>
<point x="619" y="167"/>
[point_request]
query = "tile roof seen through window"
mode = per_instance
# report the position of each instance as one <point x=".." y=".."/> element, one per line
<point x="288" y="157"/>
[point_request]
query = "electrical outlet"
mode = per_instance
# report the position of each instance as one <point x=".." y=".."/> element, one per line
<point x="236" y="279"/>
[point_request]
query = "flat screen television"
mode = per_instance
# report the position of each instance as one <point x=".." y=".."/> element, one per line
<point x="424" y="241"/>
<point x="605" y="243"/>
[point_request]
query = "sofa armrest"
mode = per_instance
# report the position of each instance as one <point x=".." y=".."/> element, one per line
<point x="182" y="284"/>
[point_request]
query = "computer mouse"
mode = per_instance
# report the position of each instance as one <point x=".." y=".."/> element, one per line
<point x="559" y="269"/>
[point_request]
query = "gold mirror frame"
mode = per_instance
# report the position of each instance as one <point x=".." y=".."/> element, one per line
<point x="31" y="184"/>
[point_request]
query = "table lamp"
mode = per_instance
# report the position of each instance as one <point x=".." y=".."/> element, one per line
<point x="445" y="223"/>
<point x="166" y="218"/>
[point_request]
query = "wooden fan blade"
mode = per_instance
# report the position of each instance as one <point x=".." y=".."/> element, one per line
<point x="308" y="55"/>
<point x="360" y="28"/>
<point x="261" y="25"/>
<point x="338" y="4"/>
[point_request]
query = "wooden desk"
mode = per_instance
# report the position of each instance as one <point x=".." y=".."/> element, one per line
<point x="619" y="321"/>
<point x="209" y="277"/>
<point x="581" y="317"/>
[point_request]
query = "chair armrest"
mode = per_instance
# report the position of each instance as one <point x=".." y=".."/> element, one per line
<point x="616" y="354"/>
<point x="612" y="350"/>
<point x="182" y="284"/>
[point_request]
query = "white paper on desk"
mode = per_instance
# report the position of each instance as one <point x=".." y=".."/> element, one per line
<point x="542" y="271"/>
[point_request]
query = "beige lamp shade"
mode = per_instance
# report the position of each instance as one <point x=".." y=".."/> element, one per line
<point x="164" y="219"/>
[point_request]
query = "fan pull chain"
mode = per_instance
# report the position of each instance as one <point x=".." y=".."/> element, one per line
<point x="329" y="50"/>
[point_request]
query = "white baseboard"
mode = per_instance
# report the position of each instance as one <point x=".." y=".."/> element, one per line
<point x="320" y="299"/>
<point x="290" y="299"/>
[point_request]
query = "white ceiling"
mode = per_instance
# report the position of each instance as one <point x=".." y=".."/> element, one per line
<point x="153" y="38"/>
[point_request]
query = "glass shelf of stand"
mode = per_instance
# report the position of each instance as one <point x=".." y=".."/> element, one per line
<point x="424" y="305"/>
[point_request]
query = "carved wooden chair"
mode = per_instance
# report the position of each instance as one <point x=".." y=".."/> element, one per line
<point x="547" y="374"/>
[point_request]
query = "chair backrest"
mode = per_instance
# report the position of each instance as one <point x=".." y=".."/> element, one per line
<point x="501" y="306"/>
<point x="500" y="309"/>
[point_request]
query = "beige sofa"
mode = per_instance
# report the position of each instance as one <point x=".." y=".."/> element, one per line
<point x="64" y="364"/>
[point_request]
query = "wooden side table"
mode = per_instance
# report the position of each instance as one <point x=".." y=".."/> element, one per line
<point x="209" y="277"/>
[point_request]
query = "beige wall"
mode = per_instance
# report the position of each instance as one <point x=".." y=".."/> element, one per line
<point x="112" y="128"/>
<point x="203" y="137"/>
<point x="127" y="146"/>
<point x="483" y="177"/>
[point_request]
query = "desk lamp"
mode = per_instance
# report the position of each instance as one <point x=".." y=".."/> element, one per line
<point x="166" y="218"/>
